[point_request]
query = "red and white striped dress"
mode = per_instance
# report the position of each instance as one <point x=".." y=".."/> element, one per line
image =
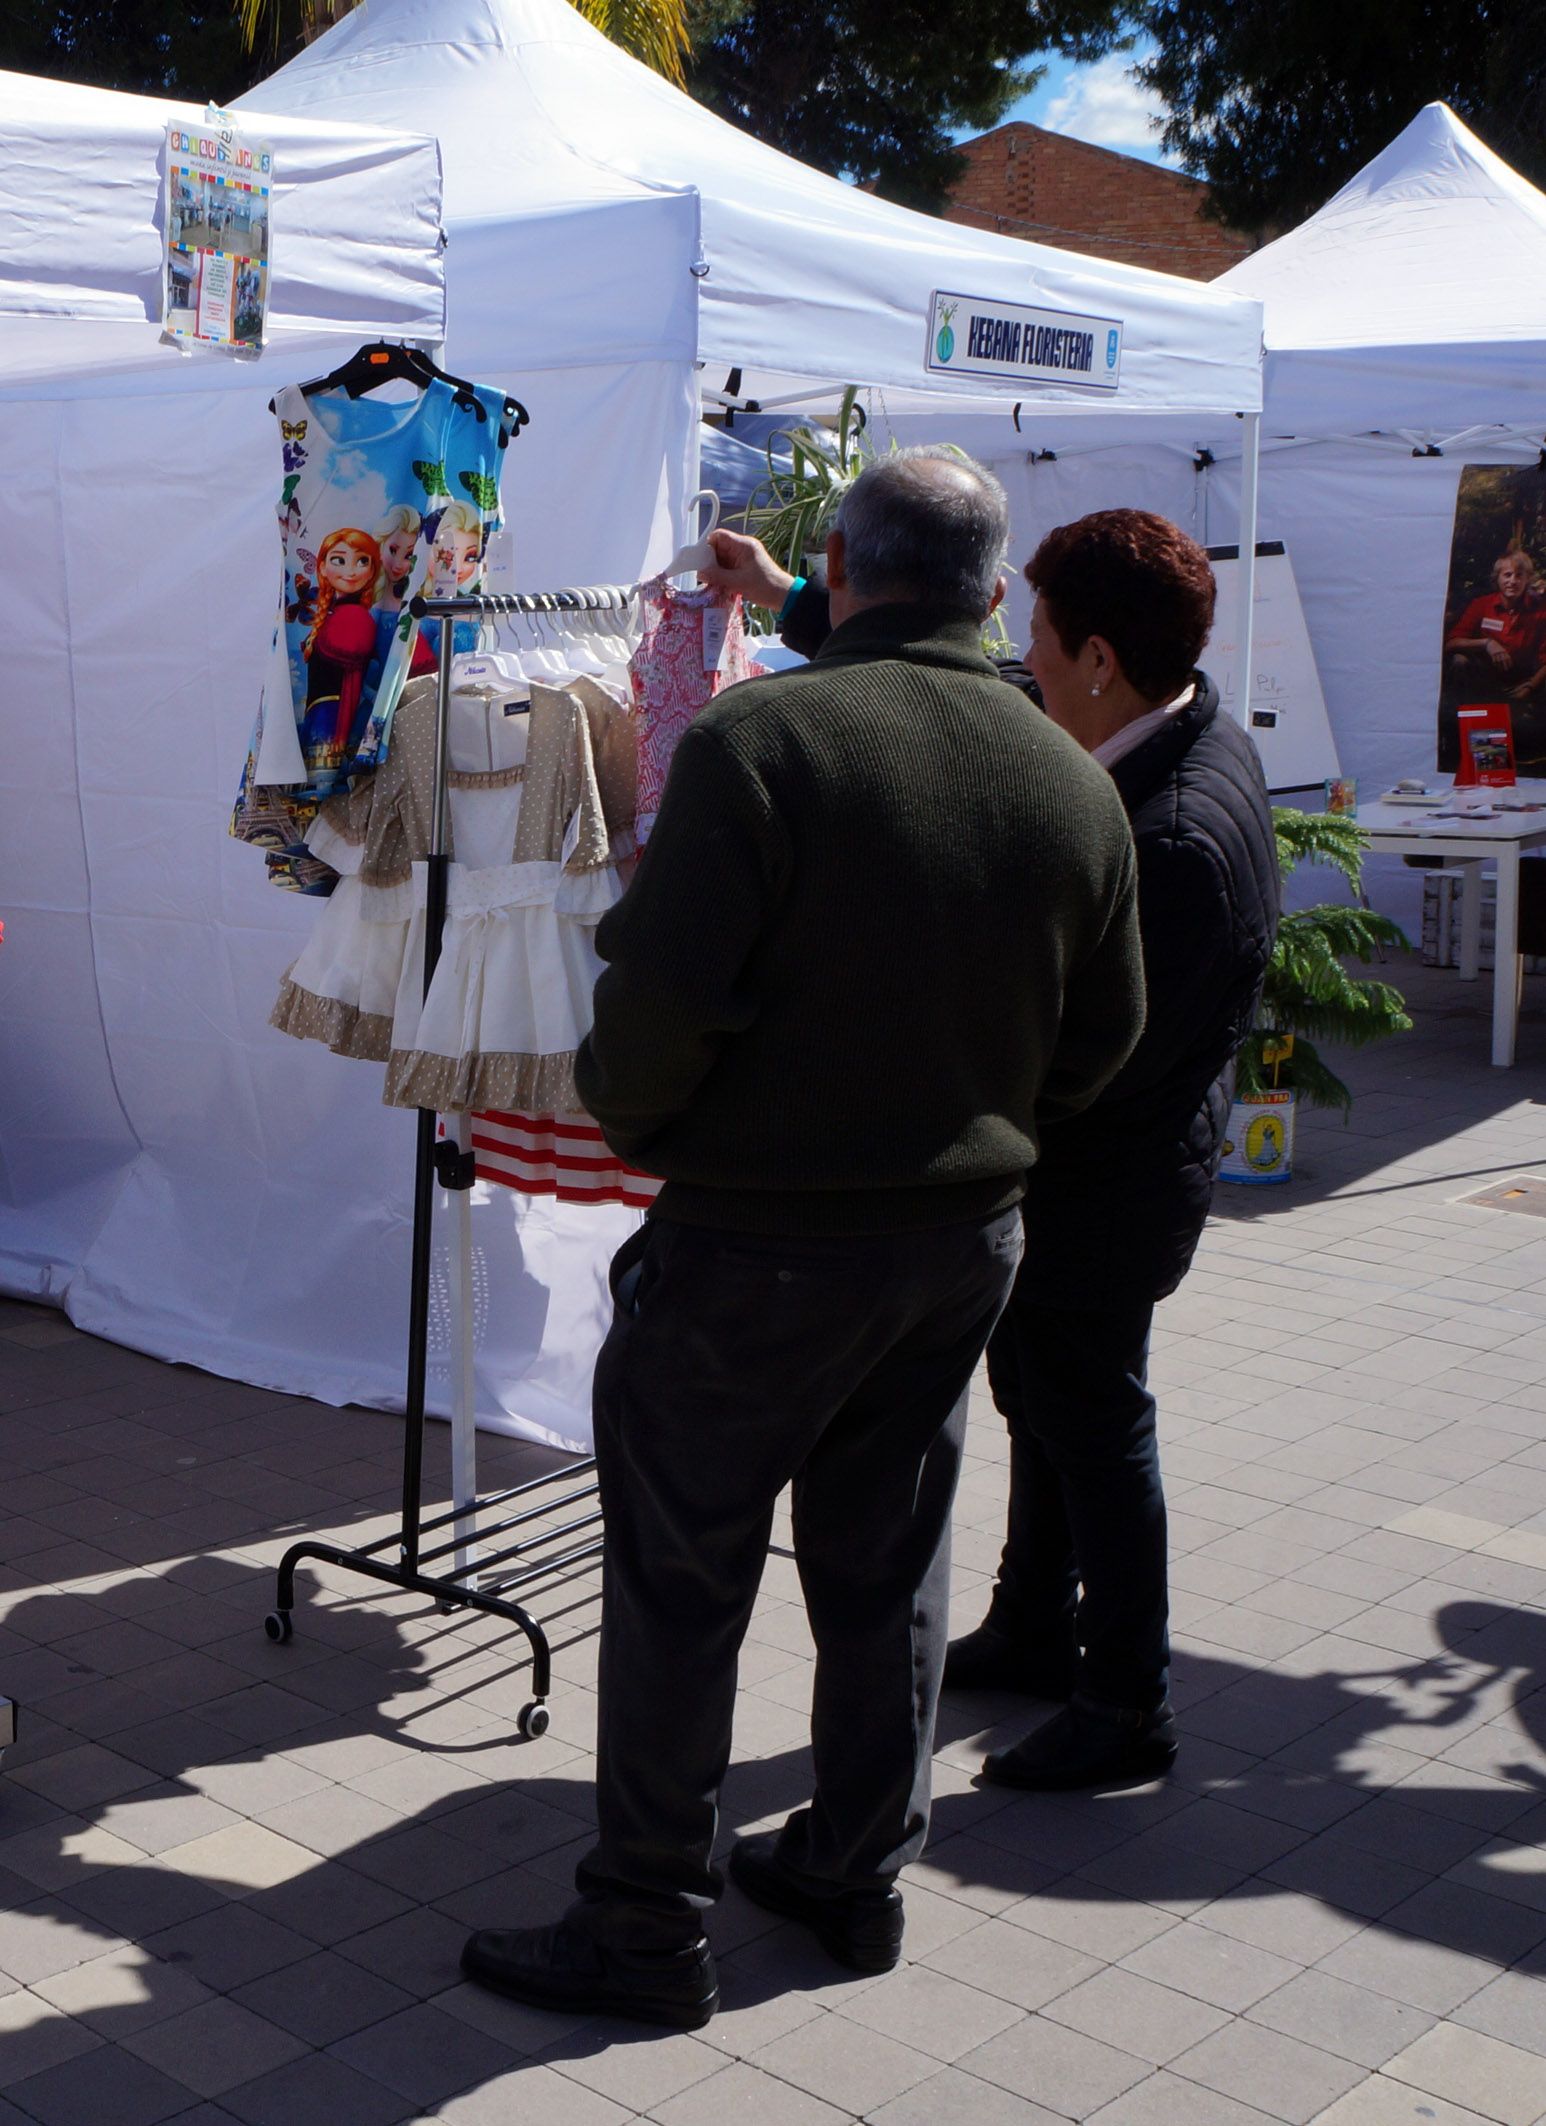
<point x="556" y="1155"/>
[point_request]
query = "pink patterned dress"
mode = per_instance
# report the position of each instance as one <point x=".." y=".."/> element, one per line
<point x="693" y="647"/>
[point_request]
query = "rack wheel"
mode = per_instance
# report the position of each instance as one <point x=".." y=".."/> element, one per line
<point x="535" y="1719"/>
<point x="278" y="1626"/>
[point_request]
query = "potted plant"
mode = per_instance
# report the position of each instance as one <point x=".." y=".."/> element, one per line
<point x="795" y="507"/>
<point x="1309" y="997"/>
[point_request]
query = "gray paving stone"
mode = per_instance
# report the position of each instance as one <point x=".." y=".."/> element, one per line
<point x="214" y="2046"/>
<point x="1500" y="2080"/>
<point x="931" y="2011"/>
<point x="425" y="2054"/>
<point x="740" y="2093"/>
<point x="1348" y="2020"/>
<point x="1165" y="2100"/>
<point x="962" y="2100"/>
<point x="1060" y="2068"/>
<point x="845" y="2065"/>
<point x="1153" y="2021"/>
<point x="107" y="2084"/>
<point x="1282" y="2075"/>
<point x="1013" y="1963"/>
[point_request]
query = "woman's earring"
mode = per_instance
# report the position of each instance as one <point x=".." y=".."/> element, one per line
<point x="1095" y="691"/>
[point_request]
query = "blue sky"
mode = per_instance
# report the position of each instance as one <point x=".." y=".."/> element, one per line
<point x="1099" y="102"/>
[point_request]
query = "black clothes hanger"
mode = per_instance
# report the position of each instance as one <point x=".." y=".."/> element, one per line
<point x="385" y="361"/>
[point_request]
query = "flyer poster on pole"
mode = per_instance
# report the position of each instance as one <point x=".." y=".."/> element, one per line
<point x="218" y="182"/>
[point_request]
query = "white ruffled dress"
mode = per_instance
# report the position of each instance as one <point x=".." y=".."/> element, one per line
<point x="535" y="865"/>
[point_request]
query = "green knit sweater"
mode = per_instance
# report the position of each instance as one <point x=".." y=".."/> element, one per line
<point x="885" y="921"/>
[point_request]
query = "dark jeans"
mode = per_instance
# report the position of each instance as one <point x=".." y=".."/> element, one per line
<point x="737" y="1364"/>
<point x="1085" y="1500"/>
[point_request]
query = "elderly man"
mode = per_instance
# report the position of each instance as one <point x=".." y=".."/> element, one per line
<point x="884" y="926"/>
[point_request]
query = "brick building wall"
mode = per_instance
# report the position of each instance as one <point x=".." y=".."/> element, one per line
<point x="1023" y="181"/>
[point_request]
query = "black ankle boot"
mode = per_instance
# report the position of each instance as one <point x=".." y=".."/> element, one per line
<point x="988" y="1659"/>
<point x="567" y="1967"/>
<point x="1088" y="1744"/>
<point x="861" y="1928"/>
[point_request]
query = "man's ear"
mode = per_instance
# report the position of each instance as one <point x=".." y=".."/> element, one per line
<point x="997" y="599"/>
<point x="837" y="566"/>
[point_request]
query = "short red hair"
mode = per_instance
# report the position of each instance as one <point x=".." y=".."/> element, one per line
<point x="1139" y="581"/>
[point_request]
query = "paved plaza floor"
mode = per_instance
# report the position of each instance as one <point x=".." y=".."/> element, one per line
<point x="235" y="1877"/>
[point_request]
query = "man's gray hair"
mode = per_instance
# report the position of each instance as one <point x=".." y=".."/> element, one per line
<point x="926" y="526"/>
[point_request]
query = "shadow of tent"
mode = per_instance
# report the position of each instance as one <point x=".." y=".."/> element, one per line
<point x="1287" y="1783"/>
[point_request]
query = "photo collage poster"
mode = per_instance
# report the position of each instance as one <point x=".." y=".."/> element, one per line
<point x="218" y="186"/>
<point x="1494" y="642"/>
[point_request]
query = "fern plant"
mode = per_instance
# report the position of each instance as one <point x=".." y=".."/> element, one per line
<point x="1310" y="996"/>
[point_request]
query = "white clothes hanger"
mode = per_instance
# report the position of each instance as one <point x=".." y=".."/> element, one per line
<point x="550" y="664"/>
<point x="488" y="662"/>
<point x="687" y="560"/>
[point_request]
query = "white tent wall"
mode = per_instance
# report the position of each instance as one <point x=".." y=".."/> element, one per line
<point x="180" y="1177"/>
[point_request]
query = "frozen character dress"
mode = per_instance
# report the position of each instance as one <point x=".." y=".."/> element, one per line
<point x="381" y="497"/>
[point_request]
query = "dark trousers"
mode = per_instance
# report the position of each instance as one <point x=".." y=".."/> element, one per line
<point x="738" y="1364"/>
<point x="1086" y="1507"/>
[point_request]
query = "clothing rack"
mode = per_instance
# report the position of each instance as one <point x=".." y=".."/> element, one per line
<point x="458" y="1569"/>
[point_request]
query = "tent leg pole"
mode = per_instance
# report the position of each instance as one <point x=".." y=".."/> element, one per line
<point x="1250" y="466"/>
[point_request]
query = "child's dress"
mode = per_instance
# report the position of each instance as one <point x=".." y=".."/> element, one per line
<point x="534" y="867"/>
<point x="381" y="498"/>
<point x="692" y="648"/>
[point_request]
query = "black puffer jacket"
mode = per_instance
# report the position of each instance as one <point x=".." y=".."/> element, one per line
<point x="1115" y="1207"/>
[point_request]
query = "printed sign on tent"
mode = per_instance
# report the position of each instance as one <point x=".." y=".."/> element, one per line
<point x="976" y="335"/>
<point x="218" y="182"/>
<point x="1495" y="614"/>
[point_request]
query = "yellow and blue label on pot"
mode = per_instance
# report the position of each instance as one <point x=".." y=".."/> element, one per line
<point x="1259" y="1139"/>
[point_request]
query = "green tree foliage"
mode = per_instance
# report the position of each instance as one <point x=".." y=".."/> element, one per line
<point x="1278" y="102"/>
<point x="191" y="49"/>
<point x="874" y="89"/>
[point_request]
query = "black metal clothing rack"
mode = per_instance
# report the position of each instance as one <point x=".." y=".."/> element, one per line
<point x="535" y="1554"/>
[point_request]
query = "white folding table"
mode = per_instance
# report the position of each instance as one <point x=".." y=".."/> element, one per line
<point x="1520" y="823"/>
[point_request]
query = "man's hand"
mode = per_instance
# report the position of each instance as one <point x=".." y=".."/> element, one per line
<point x="744" y="564"/>
<point x="1498" y="653"/>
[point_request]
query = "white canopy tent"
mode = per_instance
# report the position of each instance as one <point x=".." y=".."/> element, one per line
<point x="1405" y="318"/>
<point x="201" y="1187"/>
<point x="82" y="242"/>
<point x="177" y="1175"/>
<point x="808" y="282"/>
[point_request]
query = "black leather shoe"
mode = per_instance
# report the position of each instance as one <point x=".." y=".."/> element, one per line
<point x="861" y="1928"/>
<point x="990" y="1660"/>
<point x="564" y="1967"/>
<point x="1088" y="1744"/>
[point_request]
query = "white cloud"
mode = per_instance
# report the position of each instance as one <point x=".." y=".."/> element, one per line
<point x="1103" y="103"/>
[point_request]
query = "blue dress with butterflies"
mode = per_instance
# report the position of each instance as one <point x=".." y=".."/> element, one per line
<point x="382" y="497"/>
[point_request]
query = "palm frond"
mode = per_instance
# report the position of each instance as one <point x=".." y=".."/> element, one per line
<point x="654" y="31"/>
<point x="1310" y="992"/>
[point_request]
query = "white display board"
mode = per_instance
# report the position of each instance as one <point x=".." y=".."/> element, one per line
<point x="1288" y="717"/>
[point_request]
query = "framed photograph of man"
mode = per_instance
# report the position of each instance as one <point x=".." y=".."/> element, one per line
<point x="1494" y="644"/>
